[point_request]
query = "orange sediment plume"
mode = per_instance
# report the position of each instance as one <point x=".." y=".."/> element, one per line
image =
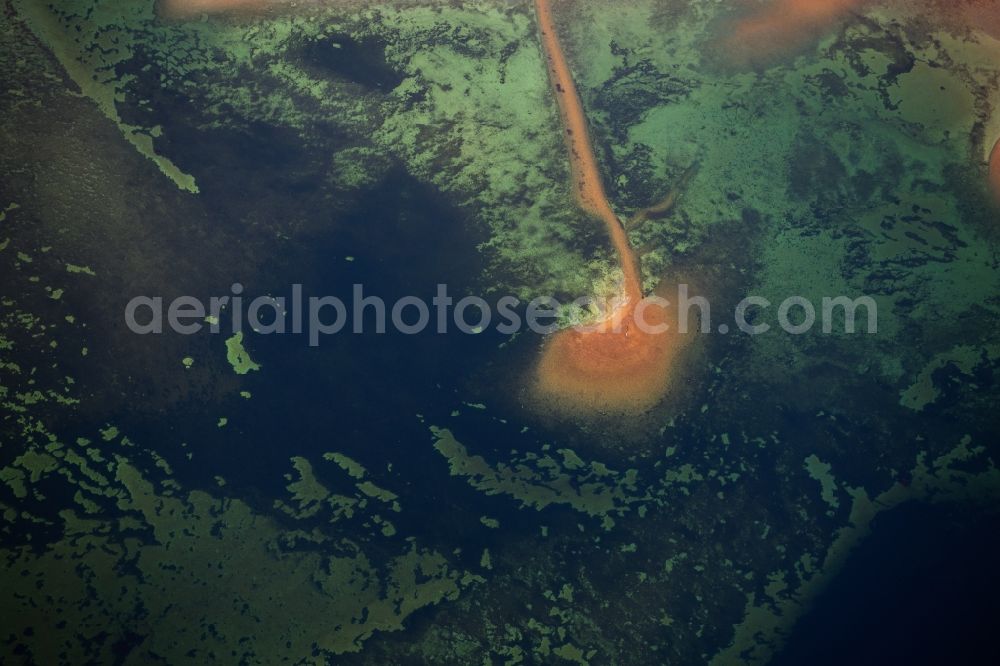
<point x="188" y="8"/>
<point x="782" y="26"/>
<point x="586" y="175"/>
<point x="618" y="368"/>
<point x="616" y="365"/>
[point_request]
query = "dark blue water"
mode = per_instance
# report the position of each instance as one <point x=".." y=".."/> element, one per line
<point x="924" y="588"/>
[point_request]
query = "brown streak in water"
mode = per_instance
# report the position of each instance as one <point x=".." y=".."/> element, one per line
<point x="617" y="366"/>
<point x="782" y="26"/>
<point x="586" y="174"/>
<point x="179" y="9"/>
<point x="668" y="202"/>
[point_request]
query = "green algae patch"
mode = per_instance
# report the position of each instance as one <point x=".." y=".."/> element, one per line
<point x="767" y="619"/>
<point x="81" y="270"/>
<point x="964" y="358"/>
<point x="14" y="478"/>
<point x="355" y="469"/>
<point x="374" y="491"/>
<point x="571" y="653"/>
<point x="539" y="481"/>
<point x="238" y="357"/>
<point x="8" y="208"/>
<point x="307" y="493"/>
<point x="310" y="497"/>
<point x="821" y="472"/>
<point x="87" y="66"/>
<point x="294" y="603"/>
